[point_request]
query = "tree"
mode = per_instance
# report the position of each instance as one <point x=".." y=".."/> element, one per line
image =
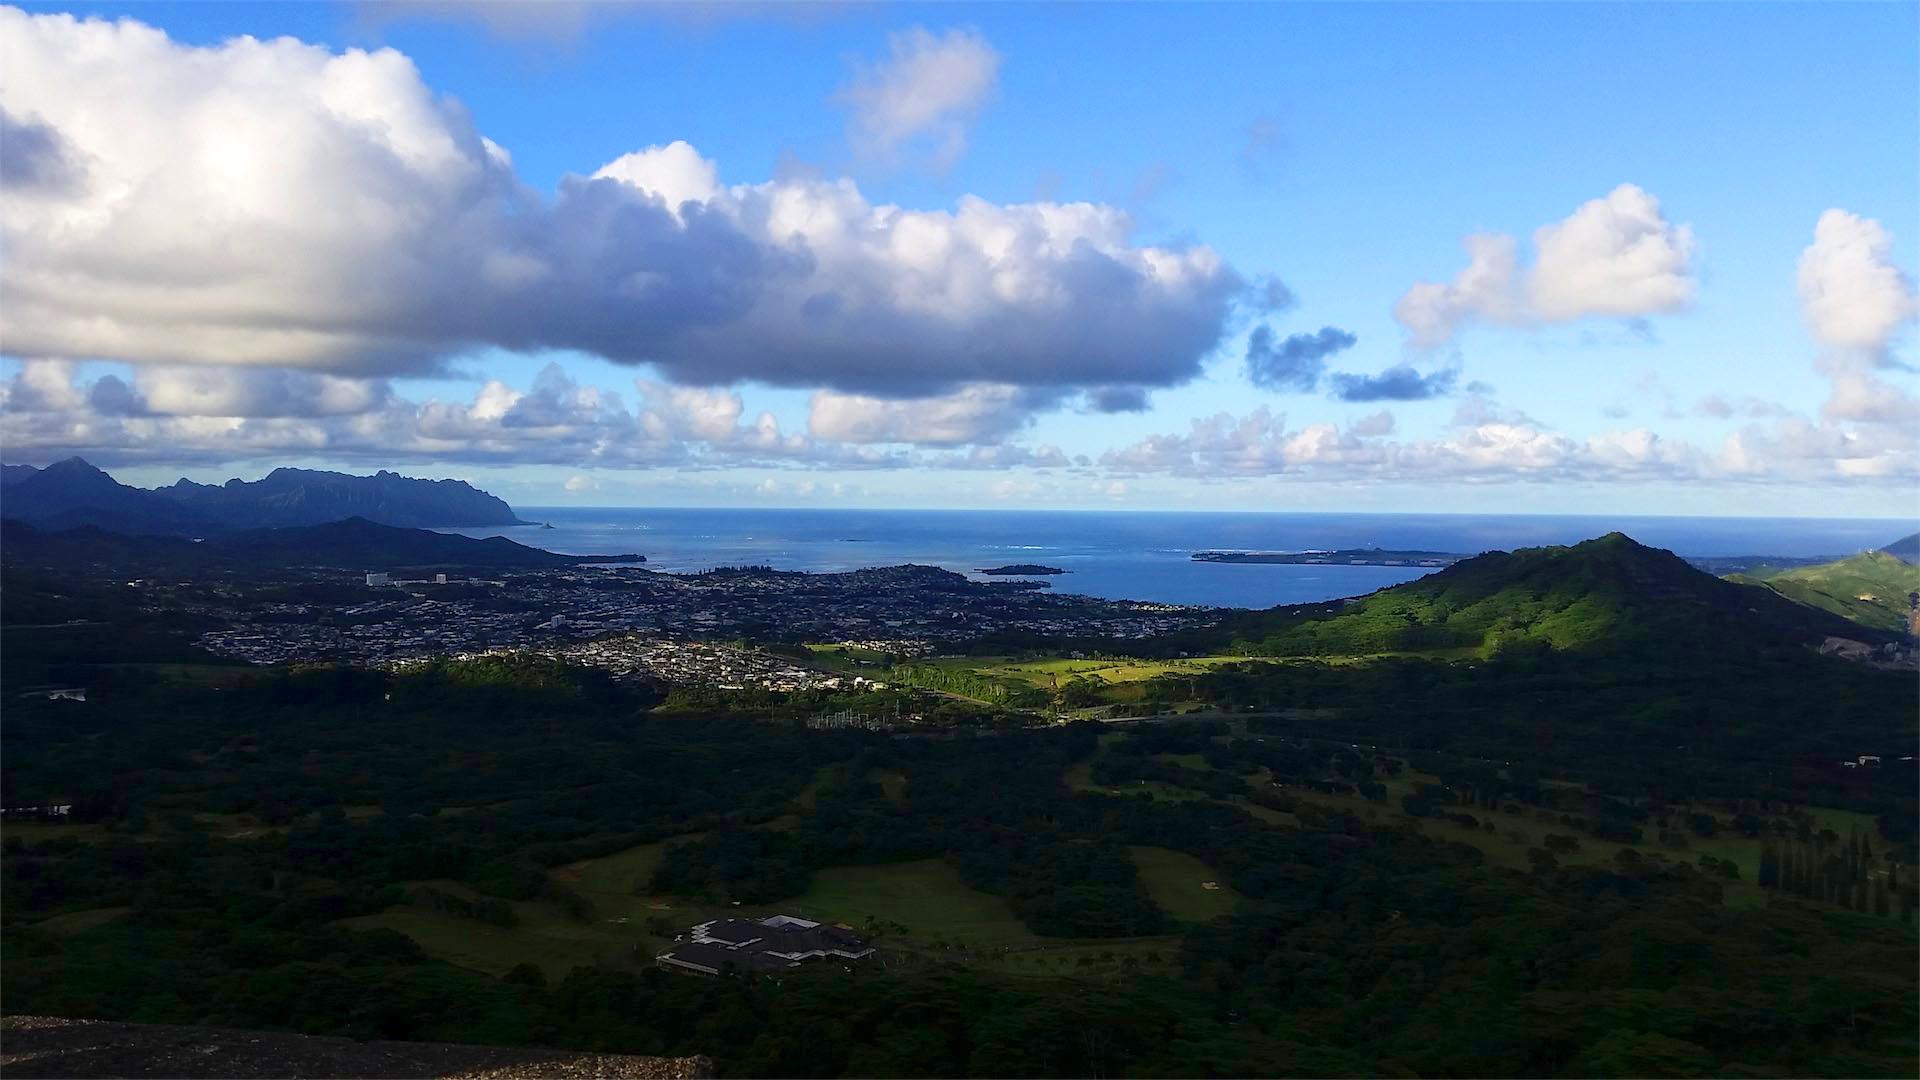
<point x="524" y="974"/>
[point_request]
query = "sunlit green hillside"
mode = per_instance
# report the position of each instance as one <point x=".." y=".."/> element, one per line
<point x="1607" y="594"/>
<point x="1870" y="588"/>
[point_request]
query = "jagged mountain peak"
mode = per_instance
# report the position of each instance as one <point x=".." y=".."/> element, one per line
<point x="74" y="492"/>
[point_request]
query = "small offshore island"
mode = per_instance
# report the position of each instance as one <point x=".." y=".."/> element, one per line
<point x="1023" y="570"/>
<point x="1343" y="557"/>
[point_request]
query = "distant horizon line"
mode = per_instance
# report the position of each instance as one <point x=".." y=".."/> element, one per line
<point x="1914" y="519"/>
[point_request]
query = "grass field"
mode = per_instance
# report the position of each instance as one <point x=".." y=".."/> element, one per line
<point x="1079" y="777"/>
<point x="622" y="875"/>
<point x="493" y="949"/>
<point x="1177" y="882"/>
<point x="944" y="918"/>
<point x="1870" y="588"/>
<point x="73" y="922"/>
<point x="1046" y="673"/>
<point x="546" y="937"/>
<point x="915" y="910"/>
<point x="926" y="897"/>
<point x="829" y="652"/>
<point x="34" y="832"/>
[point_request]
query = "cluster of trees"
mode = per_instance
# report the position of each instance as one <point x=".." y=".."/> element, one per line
<point x="1360" y="948"/>
<point x="1010" y="693"/>
<point x="487" y="909"/>
<point x="1852" y="875"/>
<point x="1066" y="889"/>
<point x="1666" y="728"/>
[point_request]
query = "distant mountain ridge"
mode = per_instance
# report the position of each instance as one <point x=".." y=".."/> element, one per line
<point x="1871" y="588"/>
<point x="354" y="544"/>
<point x="73" y="493"/>
<point x="1906" y="549"/>
<point x="310" y="497"/>
<point x="1610" y="594"/>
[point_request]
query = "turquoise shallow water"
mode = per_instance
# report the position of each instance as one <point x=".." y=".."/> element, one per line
<point x="1143" y="556"/>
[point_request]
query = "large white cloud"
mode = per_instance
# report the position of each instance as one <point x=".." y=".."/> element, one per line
<point x="273" y="202"/>
<point x="1615" y="257"/>
<point x="1851" y="293"/>
<point x="1855" y="302"/>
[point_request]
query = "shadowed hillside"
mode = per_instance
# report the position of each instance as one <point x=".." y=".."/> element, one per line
<point x="1906" y="549"/>
<point x="356" y="544"/>
<point x="72" y="493"/>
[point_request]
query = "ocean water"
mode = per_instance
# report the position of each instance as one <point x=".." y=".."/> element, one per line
<point x="1142" y="556"/>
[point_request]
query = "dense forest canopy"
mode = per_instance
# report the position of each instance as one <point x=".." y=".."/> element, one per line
<point x="1356" y="947"/>
<point x="1613" y="817"/>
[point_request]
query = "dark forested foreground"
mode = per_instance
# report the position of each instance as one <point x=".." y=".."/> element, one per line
<point x="243" y="846"/>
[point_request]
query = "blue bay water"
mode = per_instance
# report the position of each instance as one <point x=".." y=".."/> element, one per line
<point x="1142" y="556"/>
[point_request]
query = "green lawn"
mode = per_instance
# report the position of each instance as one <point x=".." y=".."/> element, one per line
<point x="546" y="936"/>
<point x="624" y="874"/>
<point x="492" y="949"/>
<point x="33" y="832"/>
<point x="927" y="897"/>
<point x="1870" y="588"/>
<point x="942" y="917"/>
<point x="1045" y="673"/>
<point x="74" y="922"/>
<point x="945" y="918"/>
<point x="830" y="653"/>
<point x="1177" y="882"/>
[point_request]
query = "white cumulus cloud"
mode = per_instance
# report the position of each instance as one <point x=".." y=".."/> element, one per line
<point x="1613" y="257"/>
<point x="1852" y="294"/>
<point x="277" y="203"/>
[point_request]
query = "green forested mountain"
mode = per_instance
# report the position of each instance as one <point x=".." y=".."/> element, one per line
<point x="1870" y="588"/>
<point x="1609" y="594"/>
<point x="355" y="544"/>
<point x="73" y="493"/>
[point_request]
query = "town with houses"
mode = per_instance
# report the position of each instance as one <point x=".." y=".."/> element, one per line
<point x="658" y="626"/>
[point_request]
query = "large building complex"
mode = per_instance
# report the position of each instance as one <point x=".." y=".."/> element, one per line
<point x="776" y="943"/>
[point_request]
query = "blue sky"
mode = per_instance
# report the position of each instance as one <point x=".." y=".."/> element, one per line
<point x="1346" y="151"/>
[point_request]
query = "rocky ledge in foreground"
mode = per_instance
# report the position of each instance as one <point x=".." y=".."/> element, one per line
<point x="46" y="1046"/>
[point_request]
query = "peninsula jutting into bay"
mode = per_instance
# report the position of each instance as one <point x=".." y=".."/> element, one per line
<point x="1346" y="557"/>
